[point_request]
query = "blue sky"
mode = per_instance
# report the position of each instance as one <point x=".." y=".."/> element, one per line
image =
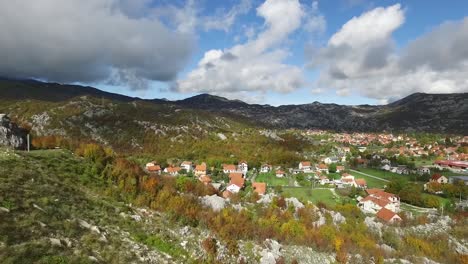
<point x="260" y="51"/>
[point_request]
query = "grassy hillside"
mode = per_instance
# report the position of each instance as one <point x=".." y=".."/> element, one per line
<point x="56" y="212"/>
<point x="152" y="131"/>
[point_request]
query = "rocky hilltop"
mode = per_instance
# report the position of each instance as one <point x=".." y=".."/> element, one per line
<point x="10" y="134"/>
<point x="442" y="113"/>
<point x="419" y="112"/>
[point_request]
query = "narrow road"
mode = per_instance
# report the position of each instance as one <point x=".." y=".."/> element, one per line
<point x="421" y="209"/>
<point x="368" y="175"/>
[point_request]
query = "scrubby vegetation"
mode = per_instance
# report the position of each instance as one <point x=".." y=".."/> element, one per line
<point x="47" y="193"/>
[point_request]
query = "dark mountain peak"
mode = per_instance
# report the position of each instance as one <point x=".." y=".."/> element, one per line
<point x="210" y="100"/>
<point x="418" y="98"/>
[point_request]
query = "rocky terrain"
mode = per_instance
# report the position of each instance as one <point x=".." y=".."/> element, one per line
<point x="10" y="134"/>
<point x="441" y="113"/>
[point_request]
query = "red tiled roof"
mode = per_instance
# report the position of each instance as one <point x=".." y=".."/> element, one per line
<point x="154" y="168"/>
<point x="229" y="167"/>
<point x="361" y="182"/>
<point x="436" y="176"/>
<point x="201" y="167"/>
<point x="380" y="193"/>
<point x="305" y="163"/>
<point x="377" y="201"/>
<point x="323" y="166"/>
<point x="259" y="187"/>
<point x="279" y="172"/>
<point x="237" y="179"/>
<point x="172" y="169"/>
<point x="385" y="214"/>
<point x="347" y="179"/>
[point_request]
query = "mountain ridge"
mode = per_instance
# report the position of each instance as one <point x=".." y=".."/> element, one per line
<point x="443" y="113"/>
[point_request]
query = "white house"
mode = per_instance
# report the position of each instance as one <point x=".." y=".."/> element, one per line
<point x="236" y="182"/>
<point x="153" y="167"/>
<point x="439" y="178"/>
<point x="324" y="180"/>
<point x="402" y="170"/>
<point x="348" y="180"/>
<point x="424" y="170"/>
<point x="173" y="171"/>
<point x="305" y="166"/>
<point x="386" y="167"/>
<point x="265" y="168"/>
<point x="280" y="173"/>
<point x="243" y="167"/>
<point x="330" y="160"/>
<point x="187" y="166"/>
<point x="322" y="167"/>
<point x="378" y="199"/>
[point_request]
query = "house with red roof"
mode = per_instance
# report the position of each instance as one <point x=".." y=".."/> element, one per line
<point x="229" y="168"/>
<point x="322" y="167"/>
<point x="259" y="187"/>
<point x="439" y="178"/>
<point x="361" y="183"/>
<point x="173" y="171"/>
<point x="305" y="166"/>
<point x="236" y="182"/>
<point x="200" y="169"/>
<point x="280" y="173"/>
<point x="340" y="168"/>
<point x="153" y="167"/>
<point x="388" y="216"/>
<point x="378" y="199"/>
<point x="324" y="180"/>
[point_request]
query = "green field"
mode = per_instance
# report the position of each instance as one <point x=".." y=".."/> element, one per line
<point x="423" y="162"/>
<point x="371" y="182"/>
<point x="271" y="180"/>
<point x="383" y="174"/>
<point x="314" y="195"/>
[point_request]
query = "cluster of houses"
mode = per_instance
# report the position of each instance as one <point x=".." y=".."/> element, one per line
<point x="411" y="148"/>
<point x="237" y="174"/>
<point x="383" y="204"/>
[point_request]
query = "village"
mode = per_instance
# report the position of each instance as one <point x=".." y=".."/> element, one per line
<point x="351" y="174"/>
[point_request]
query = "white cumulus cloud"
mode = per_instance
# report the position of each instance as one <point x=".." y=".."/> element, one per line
<point x="361" y="57"/>
<point x="256" y="65"/>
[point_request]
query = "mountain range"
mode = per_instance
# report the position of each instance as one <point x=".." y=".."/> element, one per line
<point x="419" y="112"/>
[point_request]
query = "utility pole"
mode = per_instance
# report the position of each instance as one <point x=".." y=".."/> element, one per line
<point x="28" y="142"/>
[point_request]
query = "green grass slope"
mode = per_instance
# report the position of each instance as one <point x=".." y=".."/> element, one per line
<point x="54" y="211"/>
